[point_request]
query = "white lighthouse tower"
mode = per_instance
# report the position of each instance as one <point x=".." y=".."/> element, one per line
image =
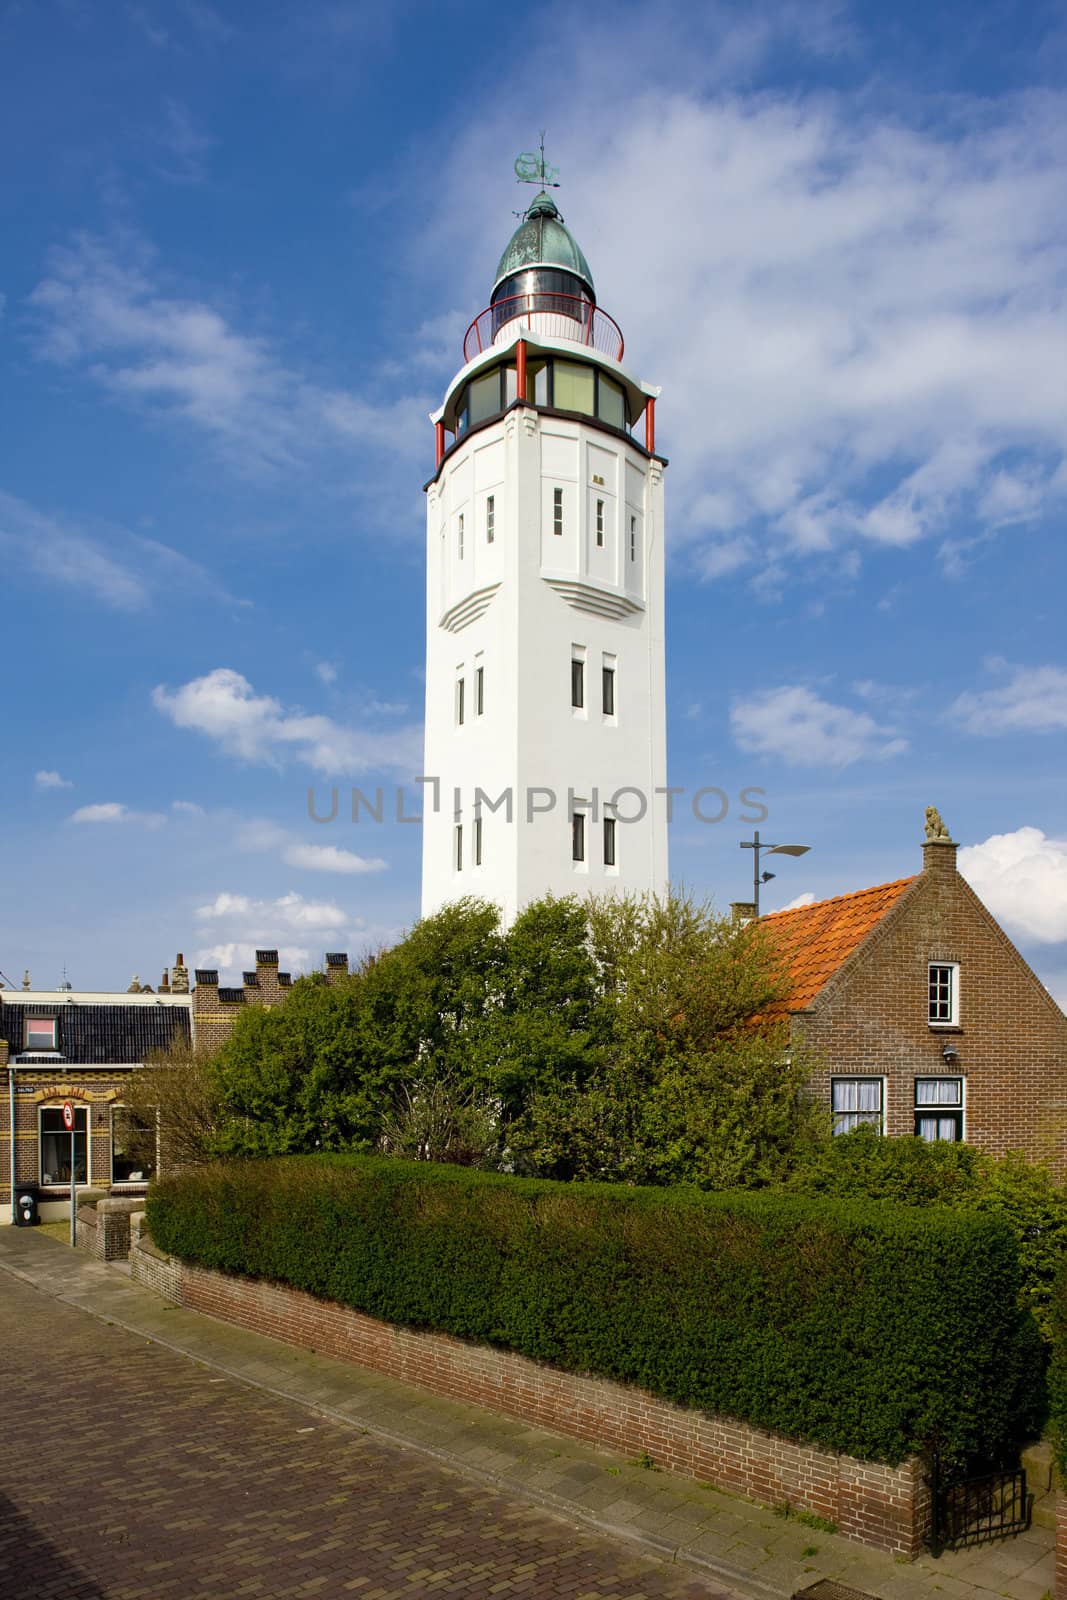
<point x="545" y="701"/>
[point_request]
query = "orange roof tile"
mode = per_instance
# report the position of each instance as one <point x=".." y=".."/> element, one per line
<point x="816" y="940"/>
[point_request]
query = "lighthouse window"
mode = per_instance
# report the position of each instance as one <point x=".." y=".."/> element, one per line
<point x="633" y="538"/>
<point x="485" y="397"/>
<point x="490" y="519"/>
<point x="600" y="524"/>
<point x="611" y="402"/>
<point x="479" y="691"/>
<point x="609" y="841"/>
<point x="459" y="846"/>
<point x="557" y="513"/>
<point x="608" y="690"/>
<point x="477" y="841"/>
<point x="537" y="383"/>
<point x="578" y="683"/>
<point x="459" y="535"/>
<point x="573" y="387"/>
<point x="578" y="836"/>
<point x="460" y="699"/>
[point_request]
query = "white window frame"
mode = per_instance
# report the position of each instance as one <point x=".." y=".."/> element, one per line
<point x="460" y="525"/>
<point x="871" y="1116"/>
<point x="954" y="1111"/>
<point x="600" y="524"/>
<point x="611" y="844"/>
<point x="580" y="839"/>
<point x="479" y="689"/>
<point x="557" y="512"/>
<point x="579" y="685"/>
<point x="461" y="700"/>
<point x="953" y="969"/>
<point x="457" y="847"/>
<point x="477" y="842"/>
<point x="490" y="518"/>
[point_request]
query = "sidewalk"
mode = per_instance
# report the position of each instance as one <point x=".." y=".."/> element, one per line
<point x="752" y="1550"/>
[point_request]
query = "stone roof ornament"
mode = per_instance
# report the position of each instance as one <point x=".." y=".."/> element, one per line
<point x="26" y="978"/>
<point x="179" y="976"/>
<point x="936" y="832"/>
<point x="135" y="986"/>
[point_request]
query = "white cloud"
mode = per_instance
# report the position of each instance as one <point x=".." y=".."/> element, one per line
<point x="114" y="811"/>
<point x="263" y="835"/>
<point x="51" y="780"/>
<point x="123" y="570"/>
<point x="795" y="724"/>
<point x="806" y="899"/>
<point x="1022" y="878"/>
<point x="330" y="858"/>
<point x="100" y="309"/>
<point x="234" y="926"/>
<point x="185" y="145"/>
<point x="224" y="706"/>
<point x="187" y="808"/>
<point x="1034" y="700"/>
<point x="326" y="672"/>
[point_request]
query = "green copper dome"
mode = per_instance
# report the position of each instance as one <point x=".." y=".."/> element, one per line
<point x="541" y="240"/>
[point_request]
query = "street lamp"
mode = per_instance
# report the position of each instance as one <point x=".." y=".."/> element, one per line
<point x="756" y="847"/>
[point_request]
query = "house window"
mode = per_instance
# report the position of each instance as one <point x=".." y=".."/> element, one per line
<point x="557" y="513"/>
<point x="578" y="836"/>
<point x="55" y="1146"/>
<point x="459" y="535"/>
<point x="633" y="538"/>
<point x="607" y="681"/>
<point x="609" y="841"/>
<point x="577" y="683"/>
<point x="939" y="1109"/>
<point x="459" y="847"/>
<point x="479" y="691"/>
<point x="490" y="519"/>
<point x="40" y="1033"/>
<point x="477" y="841"/>
<point x="460" y="700"/>
<point x="857" y="1101"/>
<point x="600" y="524"/>
<point x="133" y="1147"/>
<point x="944" y="992"/>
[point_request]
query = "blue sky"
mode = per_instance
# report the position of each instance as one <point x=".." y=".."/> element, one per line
<point x="240" y="246"/>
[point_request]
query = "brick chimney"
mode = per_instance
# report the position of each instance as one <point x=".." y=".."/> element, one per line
<point x="179" y="976"/>
<point x="336" y="966"/>
<point x="939" y="848"/>
<point x="267" y="976"/>
<point x="742" y="910"/>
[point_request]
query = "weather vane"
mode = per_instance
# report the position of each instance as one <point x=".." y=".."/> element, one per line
<point x="531" y="167"/>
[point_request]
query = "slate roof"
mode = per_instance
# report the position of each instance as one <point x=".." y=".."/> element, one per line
<point x="817" y="940"/>
<point x="97" y="1035"/>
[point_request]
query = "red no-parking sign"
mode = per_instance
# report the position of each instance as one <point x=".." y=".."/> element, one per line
<point x="68" y="1116"/>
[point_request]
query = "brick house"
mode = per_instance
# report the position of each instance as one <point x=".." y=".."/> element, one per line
<point x="924" y="1017"/>
<point x="58" y="1045"/>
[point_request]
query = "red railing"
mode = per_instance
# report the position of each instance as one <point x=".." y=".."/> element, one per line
<point x="562" y="316"/>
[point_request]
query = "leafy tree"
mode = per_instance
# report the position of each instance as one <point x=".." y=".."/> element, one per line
<point x="688" y="1086"/>
<point x="298" y="1077"/>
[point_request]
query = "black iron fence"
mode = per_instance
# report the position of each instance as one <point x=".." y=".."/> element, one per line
<point x="979" y="1510"/>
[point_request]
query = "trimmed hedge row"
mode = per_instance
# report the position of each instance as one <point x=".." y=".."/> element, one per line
<point x="869" y="1329"/>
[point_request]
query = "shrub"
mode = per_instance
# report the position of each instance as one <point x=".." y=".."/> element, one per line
<point x="909" y="1172"/>
<point x="868" y="1329"/>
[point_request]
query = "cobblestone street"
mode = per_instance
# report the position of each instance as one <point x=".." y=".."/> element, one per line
<point x="135" y="1473"/>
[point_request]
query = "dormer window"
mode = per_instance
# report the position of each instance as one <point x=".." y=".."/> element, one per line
<point x="40" y="1033"/>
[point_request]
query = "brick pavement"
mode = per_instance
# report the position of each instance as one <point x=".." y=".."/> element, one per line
<point x="134" y="1473"/>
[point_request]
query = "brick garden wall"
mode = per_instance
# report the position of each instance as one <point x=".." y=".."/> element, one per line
<point x="884" y="1507"/>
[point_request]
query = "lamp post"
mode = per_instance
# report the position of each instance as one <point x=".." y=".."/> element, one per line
<point x="757" y="847"/>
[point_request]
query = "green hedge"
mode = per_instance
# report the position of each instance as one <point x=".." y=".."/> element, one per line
<point x="864" y="1328"/>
